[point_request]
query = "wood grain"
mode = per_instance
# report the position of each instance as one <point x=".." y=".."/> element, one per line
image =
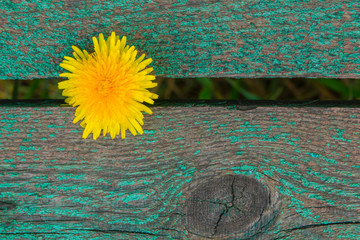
<point x="248" y="38"/>
<point x="56" y="185"/>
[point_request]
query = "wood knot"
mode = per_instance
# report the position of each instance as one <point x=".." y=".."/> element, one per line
<point x="229" y="206"/>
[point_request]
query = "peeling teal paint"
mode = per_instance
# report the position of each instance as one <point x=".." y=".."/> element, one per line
<point x="339" y="135"/>
<point x="55" y="126"/>
<point x="197" y="152"/>
<point x="24" y="148"/>
<point x="66" y="176"/>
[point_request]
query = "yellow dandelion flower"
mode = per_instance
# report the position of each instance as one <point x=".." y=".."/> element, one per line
<point x="108" y="87"/>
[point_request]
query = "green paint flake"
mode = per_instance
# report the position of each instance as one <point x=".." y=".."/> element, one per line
<point x="8" y="160"/>
<point x="134" y="197"/>
<point x="55" y="126"/>
<point x="67" y="176"/>
<point x="150" y="131"/>
<point x="33" y="148"/>
<point x="81" y="200"/>
<point x="339" y="135"/>
<point x="100" y="180"/>
<point x="40" y="177"/>
<point x="315" y="155"/>
<point x="283" y="161"/>
<point x="8" y="121"/>
<point x="126" y="183"/>
<point x="197" y="152"/>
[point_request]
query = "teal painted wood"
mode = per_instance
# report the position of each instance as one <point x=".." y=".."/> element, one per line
<point x="55" y="185"/>
<point x="249" y="38"/>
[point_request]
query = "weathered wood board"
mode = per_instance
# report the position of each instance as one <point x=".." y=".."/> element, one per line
<point x="56" y="185"/>
<point x="248" y="38"/>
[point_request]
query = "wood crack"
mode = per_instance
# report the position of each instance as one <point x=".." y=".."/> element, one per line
<point x="35" y="233"/>
<point x="320" y="225"/>
<point x="227" y="207"/>
<point x="120" y="231"/>
<point x="219" y="220"/>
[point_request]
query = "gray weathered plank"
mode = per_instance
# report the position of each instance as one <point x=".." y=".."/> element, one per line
<point x="248" y="38"/>
<point x="54" y="184"/>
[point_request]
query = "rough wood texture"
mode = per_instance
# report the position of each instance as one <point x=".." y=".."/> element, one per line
<point x="249" y="38"/>
<point x="55" y="185"/>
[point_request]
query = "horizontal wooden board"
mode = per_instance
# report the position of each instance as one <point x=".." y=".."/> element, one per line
<point x="56" y="185"/>
<point x="248" y="38"/>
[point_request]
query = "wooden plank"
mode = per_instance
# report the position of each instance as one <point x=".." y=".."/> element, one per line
<point x="219" y="158"/>
<point x="249" y="38"/>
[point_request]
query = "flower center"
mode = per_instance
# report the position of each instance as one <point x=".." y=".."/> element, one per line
<point x="106" y="85"/>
